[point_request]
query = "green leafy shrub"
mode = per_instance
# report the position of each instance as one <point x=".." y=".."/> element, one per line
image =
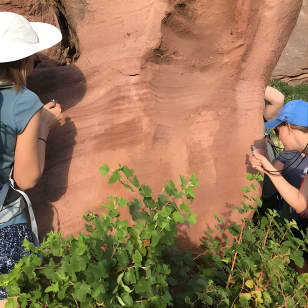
<point x="259" y="265"/>
<point x="116" y="264"/>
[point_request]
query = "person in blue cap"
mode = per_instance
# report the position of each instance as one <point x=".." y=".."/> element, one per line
<point x="291" y="124"/>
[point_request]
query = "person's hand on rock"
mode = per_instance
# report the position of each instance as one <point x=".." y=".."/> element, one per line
<point x="51" y="114"/>
<point x="261" y="163"/>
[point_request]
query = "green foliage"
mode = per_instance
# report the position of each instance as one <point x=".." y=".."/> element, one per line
<point x="291" y="92"/>
<point x="121" y="264"/>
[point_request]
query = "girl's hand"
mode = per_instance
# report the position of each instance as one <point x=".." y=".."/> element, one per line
<point x="50" y="114"/>
<point x="261" y="163"/>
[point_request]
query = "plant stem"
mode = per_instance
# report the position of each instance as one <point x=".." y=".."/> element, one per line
<point x="75" y="301"/>
<point x="235" y="256"/>
<point x="282" y="292"/>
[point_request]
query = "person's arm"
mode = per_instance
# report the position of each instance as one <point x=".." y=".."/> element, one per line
<point x="278" y="165"/>
<point x="276" y="99"/>
<point x="294" y="197"/>
<point x="29" y="155"/>
<point x="29" y="158"/>
<point x="297" y="199"/>
<point x="268" y="188"/>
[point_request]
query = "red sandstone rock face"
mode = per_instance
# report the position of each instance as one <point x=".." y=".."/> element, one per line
<point x="293" y="64"/>
<point x="166" y="87"/>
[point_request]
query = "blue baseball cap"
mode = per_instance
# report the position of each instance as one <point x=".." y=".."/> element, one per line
<point x="293" y="112"/>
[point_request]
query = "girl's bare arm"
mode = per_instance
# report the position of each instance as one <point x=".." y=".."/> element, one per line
<point x="29" y="155"/>
<point x="276" y="99"/>
<point x="30" y="150"/>
<point x="297" y="199"/>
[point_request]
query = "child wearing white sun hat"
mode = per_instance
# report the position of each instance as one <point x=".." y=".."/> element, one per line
<point x="24" y="127"/>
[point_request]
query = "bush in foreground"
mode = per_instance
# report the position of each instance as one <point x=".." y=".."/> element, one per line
<point x="116" y="264"/>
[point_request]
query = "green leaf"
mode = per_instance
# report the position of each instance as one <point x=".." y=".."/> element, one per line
<point x="303" y="279"/>
<point x="53" y="288"/>
<point x="99" y="292"/>
<point x="109" y="206"/>
<point x="121" y="201"/>
<point x="297" y="257"/>
<point x="170" y="188"/>
<point x="249" y="176"/>
<point x="194" y="180"/>
<point x="11" y="303"/>
<point x="245" y="189"/>
<point x="128" y="172"/>
<point x="149" y="203"/>
<point x="134" y="181"/>
<point x="253" y="186"/>
<point x="234" y="229"/>
<point x="130" y="277"/>
<point x="166" y="211"/>
<point x="183" y="181"/>
<point x="218" y="219"/>
<point x="13" y="290"/>
<point x="145" y="191"/>
<point x="162" y="199"/>
<point x="120" y="235"/>
<point x="122" y="258"/>
<point x="192" y="219"/>
<point x="249" y="284"/>
<point x="259" y="202"/>
<point x="264" y="222"/>
<point x="114" y="177"/>
<point x="184" y="207"/>
<point x="134" y="209"/>
<point x="190" y="194"/>
<point x="267" y="298"/>
<point x="121" y="283"/>
<point x="244" y="299"/>
<point x="128" y="300"/>
<point x="178" y="217"/>
<point x="120" y="301"/>
<point x="81" y="291"/>
<point x="291" y="302"/>
<point x="259" y="177"/>
<point x="119" y="278"/>
<point x="104" y="170"/>
<point x="249" y="236"/>
<point x="156" y="236"/>
<point x="137" y="258"/>
<point x="127" y="186"/>
<point x="23" y="301"/>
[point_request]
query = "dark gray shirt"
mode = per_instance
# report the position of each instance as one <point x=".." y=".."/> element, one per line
<point x="294" y="166"/>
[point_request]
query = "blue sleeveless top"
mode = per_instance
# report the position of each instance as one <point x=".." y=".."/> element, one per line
<point x="16" y="110"/>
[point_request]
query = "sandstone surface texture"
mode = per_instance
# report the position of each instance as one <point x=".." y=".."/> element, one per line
<point x="166" y="87"/>
<point x="293" y="64"/>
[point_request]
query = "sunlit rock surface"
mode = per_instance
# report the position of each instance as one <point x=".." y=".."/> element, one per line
<point x="293" y="64"/>
<point x="166" y="87"/>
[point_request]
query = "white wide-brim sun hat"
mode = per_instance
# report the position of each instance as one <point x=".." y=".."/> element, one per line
<point x="20" y="38"/>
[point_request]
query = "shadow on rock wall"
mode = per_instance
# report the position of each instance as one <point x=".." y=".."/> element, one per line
<point x="67" y="85"/>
